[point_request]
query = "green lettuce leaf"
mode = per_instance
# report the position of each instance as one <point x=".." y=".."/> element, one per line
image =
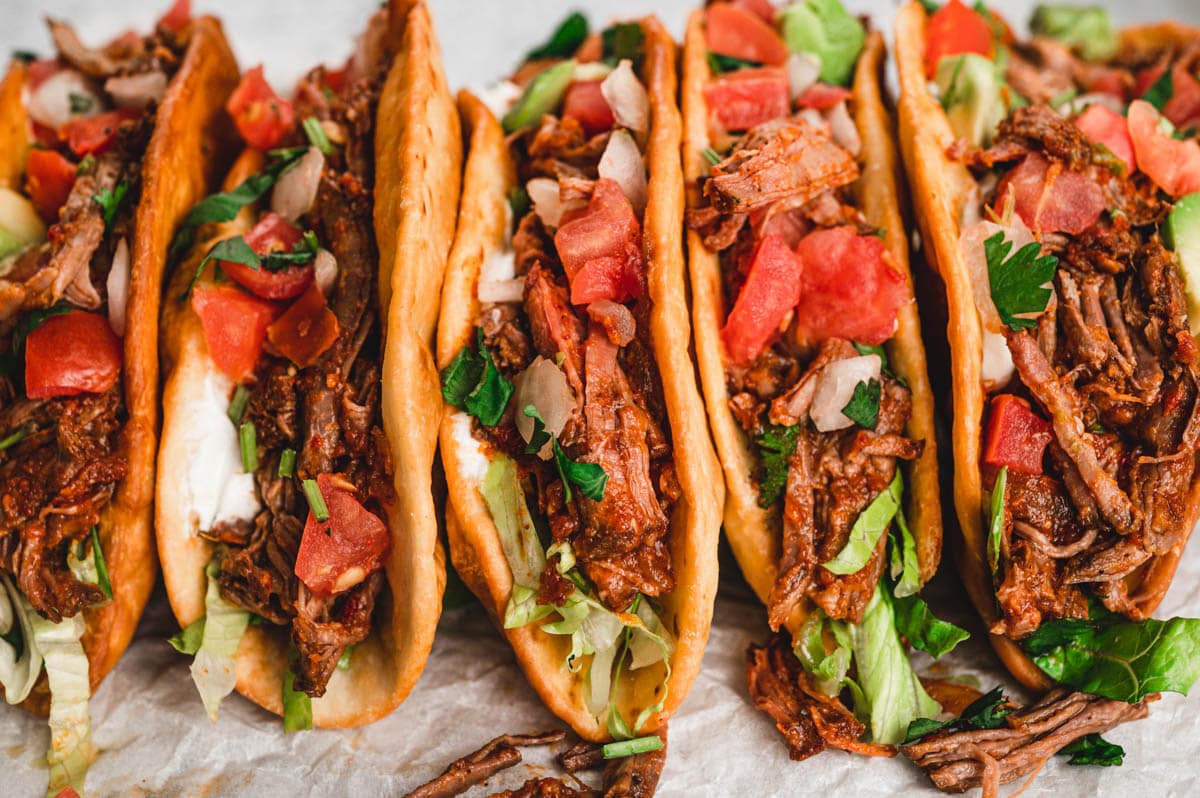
<point x="924" y="630"/>
<point x="1092" y="749"/>
<point x="188" y="639"/>
<point x="986" y="712"/>
<point x="297" y="706"/>
<point x="892" y="693"/>
<point x="213" y="668"/>
<point x="868" y="527"/>
<point x="70" y="727"/>
<point x="564" y="41"/>
<point x="828" y="668"/>
<point x="1119" y="659"/>
<point x="996" y="526"/>
<point x="518" y="536"/>
<point x="905" y="567"/>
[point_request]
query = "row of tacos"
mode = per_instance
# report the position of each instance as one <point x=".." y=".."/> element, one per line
<point x="338" y="312"/>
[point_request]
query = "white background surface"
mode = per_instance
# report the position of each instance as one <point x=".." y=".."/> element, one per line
<point x="151" y="732"/>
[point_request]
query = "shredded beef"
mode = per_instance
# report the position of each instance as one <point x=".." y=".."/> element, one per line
<point x="475" y="768"/>
<point x="956" y="761"/>
<point x="808" y="719"/>
<point x="544" y="788"/>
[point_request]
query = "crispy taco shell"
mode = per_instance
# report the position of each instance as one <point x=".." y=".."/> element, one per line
<point x="753" y="532"/>
<point x="417" y="168"/>
<point x="186" y="151"/>
<point x="474" y="542"/>
<point x="940" y="189"/>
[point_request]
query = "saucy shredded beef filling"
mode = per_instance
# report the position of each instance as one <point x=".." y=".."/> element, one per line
<point x="329" y="413"/>
<point x="787" y="176"/>
<point x="1113" y="365"/>
<point x="619" y="421"/>
<point x="56" y="481"/>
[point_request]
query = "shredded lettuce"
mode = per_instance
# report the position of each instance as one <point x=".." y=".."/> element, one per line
<point x="893" y="694"/>
<point x="996" y="525"/>
<point x="610" y="639"/>
<point x="828" y="668"/>
<point x="70" y="727"/>
<point x="924" y="630"/>
<point x="868" y="527"/>
<point x="297" y="706"/>
<point x="224" y="625"/>
<point x="20" y="659"/>
<point x="905" y="568"/>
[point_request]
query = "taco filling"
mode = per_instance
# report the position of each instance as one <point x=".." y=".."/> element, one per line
<point x="66" y="242"/>
<point x="1078" y="244"/>
<point x="560" y="390"/>
<point x="811" y="297"/>
<point x="292" y="473"/>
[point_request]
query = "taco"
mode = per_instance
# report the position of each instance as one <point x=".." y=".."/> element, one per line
<point x="583" y="491"/>
<point x="1056" y="207"/>
<point x="102" y="151"/>
<point x="295" y="519"/>
<point x="809" y="349"/>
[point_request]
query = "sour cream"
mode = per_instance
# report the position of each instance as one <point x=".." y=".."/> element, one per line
<point x="472" y="462"/>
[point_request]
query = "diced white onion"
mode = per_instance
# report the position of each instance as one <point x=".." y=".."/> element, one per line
<point x="296" y="189"/>
<point x="499" y="97"/>
<point x="627" y="98"/>
<point x="325" y="270"/>
<point x="118" y="287"/>
<point x="502" y="290"/>
<point x="845" y="134"/>
<point x="622" y="162"/>
<point x="547" y="204"/>
<point x="50" y="103"/>
<point x="998" y="366"/>
<point x="836" y="385"/>
<point x="544" y="386"/>
<point x="803" y="70"/>
<point x="814" y="117"/>
<point x="137" y="91"/>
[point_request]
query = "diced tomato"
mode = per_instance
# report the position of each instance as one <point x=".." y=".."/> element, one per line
<point x="954" y="29"/>
<point x="585" y="102"/>
<point x="67" y="792"/>
<point x="38" y="71"/>
<point x="305" y="330"/>
<point x="761" y="7"/>
<point x="272" y="234"/>
<point x="770" y="292"/>
<point x="44" y="135"/>
<point x="338" y="79"/>
<point x="1049" y="198"/>
<point x="1105" y="126"/>
<point x="848" y="288"/>
<point x="601" y="249"/>
<point x="1148" y="77"/>
<point x="1016" y="436"/>
<point x="49" y="178"/>
<point x="1173" y="165"/>
<point x="69" y="354"/>
<point x="262" y="116"/>
<point x="822" y="96"/>
<point x="235" y="325"/>
<point x="1183" y="109"/>
<point x="339" y="553"/>
<point x="740" y="100"/>
<point x="94" y="134"/>
<point x="1108" y="80"/>
<point x="738" y="32"/>
<point x="177" y="16"/>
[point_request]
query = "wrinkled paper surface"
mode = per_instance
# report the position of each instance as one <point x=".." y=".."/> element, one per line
<point x="150" y="729"/>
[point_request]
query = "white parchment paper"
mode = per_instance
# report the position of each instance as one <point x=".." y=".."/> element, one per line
<point x="149" y="727"/>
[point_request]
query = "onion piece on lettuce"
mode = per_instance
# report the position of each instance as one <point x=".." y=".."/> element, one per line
<point x="224" y="624"/>
<point x="608" y="637"/>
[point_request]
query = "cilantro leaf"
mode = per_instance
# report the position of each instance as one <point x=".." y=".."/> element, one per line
<point x="564" y="41"/>
<point x="540" y="437"/>
<point x="623" y="41"/>
<point x="110" y="201"/>
<point x="31" y="321"/>
<point x="24" y="56"/>
<point x="1092" y="749"/>
<point x="588" y="477"/>
<point x="1114" y="658"/>
<point x="236" y="250"/>
<point x="775" y="448"/>
<point x="863" y="407"/>
<point x="924" y="630"/>
<point x="720" y="64"/>
<point x="1160" y="91"/>
<point x="986" y="712"/>
<point x="518" y="201"/>
<point x="80" y="103"/>
<point x="1018" y="283"/>
<point x="223" y="206"/>
<point x="473" y="383"/>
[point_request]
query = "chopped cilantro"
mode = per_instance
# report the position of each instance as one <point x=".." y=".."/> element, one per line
<point x="775" y="448"/>
<point x="564" y="41"/>
<point x="623" y="41"/>
<point x="863" y="407"/>
<point x="473" y="383"/>
<point x="110" y="201"/>
<point x="720" y="64"/>
<point x="1018" y="283"/>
